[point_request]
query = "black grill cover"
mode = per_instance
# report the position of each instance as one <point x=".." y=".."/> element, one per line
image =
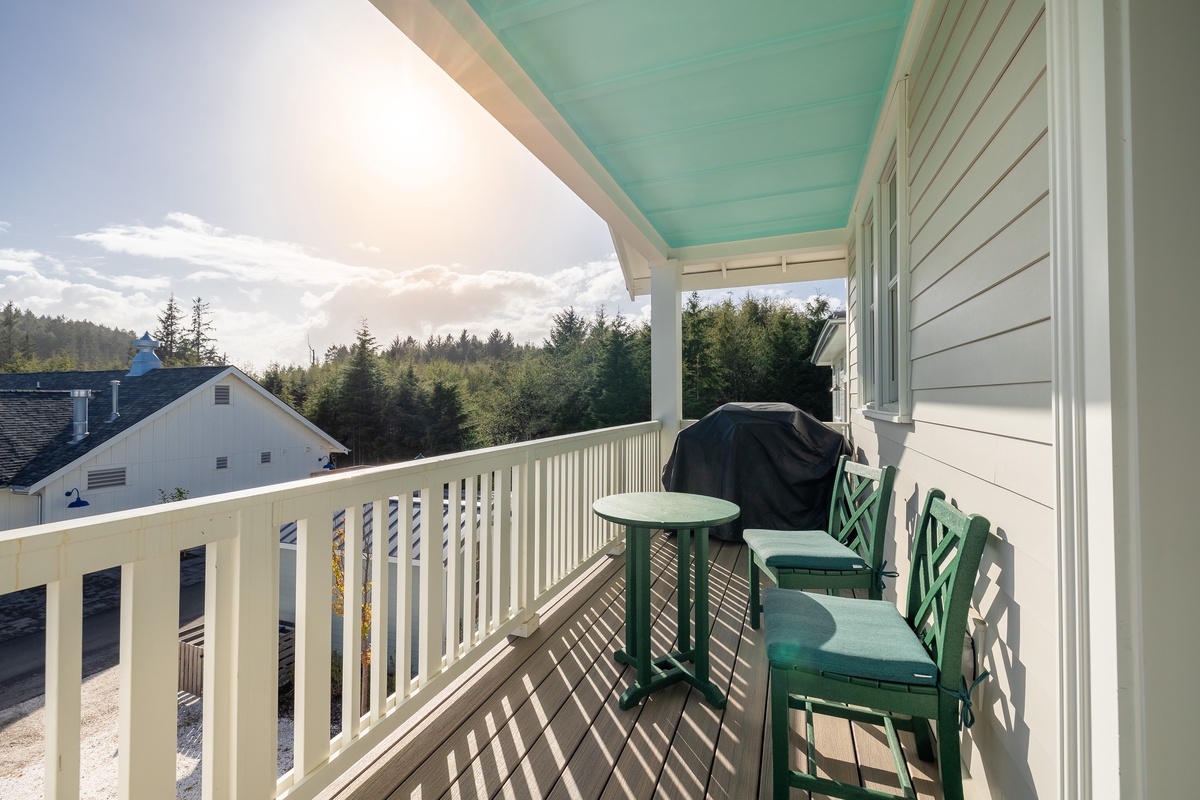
<point x="772" y="459"/>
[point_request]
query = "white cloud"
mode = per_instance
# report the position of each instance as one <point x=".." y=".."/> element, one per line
<point x="366" y="248"/>
<point x="144" y="283"/>
<point x="190" y="239"/>
<point x="311" y="295"/>
<point x="36" y="282"/>
<point x="4" y="226"/>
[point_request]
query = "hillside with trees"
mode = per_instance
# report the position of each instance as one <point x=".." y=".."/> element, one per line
<point x="33" y="343"/>
<point x="393" y="402"/>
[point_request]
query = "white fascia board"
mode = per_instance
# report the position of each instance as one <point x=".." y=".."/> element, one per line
<point x="458" y="41"/>
<point x="151" y="419"/>
<point x="816" y="256"/>
<point x="633" y="264"/>
<point x="831" y="344"/>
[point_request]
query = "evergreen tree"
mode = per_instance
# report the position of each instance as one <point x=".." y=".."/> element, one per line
<point x="170" y="334"/>
<point x="446" y="431"/>
<point x="360" y="400"/>
<point x="200" y="345"/>
<point x="8" y="334"/>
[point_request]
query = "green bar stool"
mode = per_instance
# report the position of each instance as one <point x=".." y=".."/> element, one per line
<point x="863" y="661"/>
<point x="847" y="556"/>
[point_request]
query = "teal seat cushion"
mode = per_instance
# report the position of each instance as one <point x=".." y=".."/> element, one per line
<point x="857" y="638"/>
<point x="803" y="550"/>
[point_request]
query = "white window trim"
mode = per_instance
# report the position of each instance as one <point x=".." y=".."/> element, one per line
<point x="873" y="345"/>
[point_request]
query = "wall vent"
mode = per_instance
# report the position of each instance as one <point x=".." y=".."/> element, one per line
<point x="265" y="458"/>
<point x="222" y="462"/>
<point x="105" y="478"/>
<point x="221" y="395"/>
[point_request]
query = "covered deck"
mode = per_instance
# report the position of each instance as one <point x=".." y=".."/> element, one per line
<point x="539" y="717"/>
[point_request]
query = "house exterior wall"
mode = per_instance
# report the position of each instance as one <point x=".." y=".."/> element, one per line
<point x="17" y="511"/>
<point x="979" y="339"/>
<point x="179" y="449"/>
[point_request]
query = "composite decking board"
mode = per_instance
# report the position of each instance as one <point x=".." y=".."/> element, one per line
<point x="644" y="758"/>
<point x="540" y="769"/>
<point x="592" y="768"/>
<point x="739" y="736"/>
<point x="875" y="765"/>
<point x="390" y="765"/>
<point x="924" y="773"/>
<point x="502" y="757"/>
<point x="690" y="760"/>
<point x="571" y="752"/>
<point x="834" y="737"/>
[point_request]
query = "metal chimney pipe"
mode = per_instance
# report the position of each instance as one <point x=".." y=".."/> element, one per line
<point x="115" y="413"/>
<point x="80" y="398"/>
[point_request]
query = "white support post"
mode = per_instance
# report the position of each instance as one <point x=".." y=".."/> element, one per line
<point x="404" y="612"/>
<point x="314" y="576"/>
<point x="220" y="672"/>
<point x="454" y="569"/>
<point x="64" y="661"/>
<point x="149" y="677"/>
<point x="666" y="352"/>
<point x="507" y="584"/>
<point x="620" y="457"/>
<point x="241" y="664"/>
<point x="526" y="545"/>
<point x="432" y="609"/>
<point x="538" y="478"/>
<point x="352" y="578"/>
<point x="471" y="558"/>
<point x="380" y="539"/>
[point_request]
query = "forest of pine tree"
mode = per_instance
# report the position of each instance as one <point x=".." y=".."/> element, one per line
<point x="32" y="343"/>
<point x="452" y="393"/>
<point x="446" y="394"/>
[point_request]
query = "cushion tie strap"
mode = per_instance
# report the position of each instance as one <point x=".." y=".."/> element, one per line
<point x="967" y="717"/>
<point x="884" y="572"/>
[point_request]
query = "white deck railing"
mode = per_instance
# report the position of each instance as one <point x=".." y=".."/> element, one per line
<point x="534" y="533"/>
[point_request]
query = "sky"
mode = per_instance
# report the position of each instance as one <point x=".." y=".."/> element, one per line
<point x="298" y="164"/>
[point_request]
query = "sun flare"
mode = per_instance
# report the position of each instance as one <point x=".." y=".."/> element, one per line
<point x="403" y="132"/>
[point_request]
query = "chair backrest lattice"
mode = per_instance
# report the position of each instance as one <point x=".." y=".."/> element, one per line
<point x="945" y="564"/>
<point x="858" y="511"/>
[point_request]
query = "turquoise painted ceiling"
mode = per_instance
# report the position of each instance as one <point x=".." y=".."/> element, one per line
<point x="721" y="120"/>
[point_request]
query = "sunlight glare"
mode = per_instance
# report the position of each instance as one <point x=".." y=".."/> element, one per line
<point x="404" y="132"/>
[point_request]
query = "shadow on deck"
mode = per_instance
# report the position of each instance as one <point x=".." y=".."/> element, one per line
<point x="540" y="718"/>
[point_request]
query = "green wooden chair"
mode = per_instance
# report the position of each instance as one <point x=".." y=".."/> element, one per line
<point x="841" y="656"/>
<point x="848" y="556"/>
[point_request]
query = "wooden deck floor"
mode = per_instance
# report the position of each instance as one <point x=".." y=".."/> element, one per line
<point x="540" y="717"/>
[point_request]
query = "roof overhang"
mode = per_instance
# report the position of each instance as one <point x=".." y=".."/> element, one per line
<point x="831" y="344"/>
<point x="723" y="195"/>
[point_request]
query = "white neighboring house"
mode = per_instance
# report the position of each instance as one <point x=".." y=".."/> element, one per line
<point x="122" y="438"/>
<point x="830" y="351"/>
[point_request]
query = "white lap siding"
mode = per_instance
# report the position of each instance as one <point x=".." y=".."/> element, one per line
<point x="979" y="294"/>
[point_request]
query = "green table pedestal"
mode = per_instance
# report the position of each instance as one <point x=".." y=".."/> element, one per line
<point x="691" y="516"/>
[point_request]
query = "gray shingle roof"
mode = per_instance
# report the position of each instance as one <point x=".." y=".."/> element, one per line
<point x="36" y="411"/>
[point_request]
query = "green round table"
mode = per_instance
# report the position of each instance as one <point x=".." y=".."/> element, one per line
<point x="641" y="513"/>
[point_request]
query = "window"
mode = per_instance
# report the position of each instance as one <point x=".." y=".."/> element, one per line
<point x="883" y="275"/>
<point x="867" y="293"/>
<point x="221" y="395"/>
<point x="105" y="478"/>
<point x="265" y="457"/>
<point x="222" y="462"/>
